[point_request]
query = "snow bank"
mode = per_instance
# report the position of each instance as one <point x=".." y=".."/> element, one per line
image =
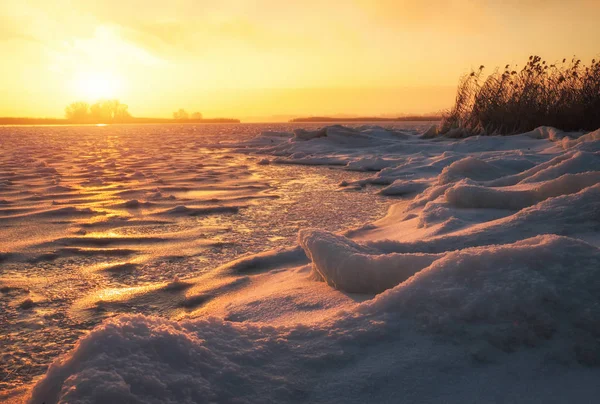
<point x="579" y="162"/>
<point x="334" y="141"/>
<point x="569" y="215"/>
<point x="567" y="163"/>
<point x="474" y="196"/>
<point x="350" y="267"/>
<point x="515" y="295"/>
<point x="337" y="134"/>
<point x="139" y="359"/>
<point x="303" y="134"/>
<point x="546" y="132"/>
<point x="469" y="167"/>
<point x="482" y="305"/>
<point x="588" y="142"/>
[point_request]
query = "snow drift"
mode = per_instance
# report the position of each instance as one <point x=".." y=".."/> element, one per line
<point x="521" y="294"/>
<point x="489" y="301"/>
<point x="347" y="266"/>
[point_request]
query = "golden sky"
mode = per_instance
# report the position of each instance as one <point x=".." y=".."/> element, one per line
<point x="272" y="58"/>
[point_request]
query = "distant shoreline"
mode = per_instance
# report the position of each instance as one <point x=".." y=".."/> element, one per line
<point x="60" y="121"/>
<point x="10" y="121"/>
<point x="317" y="119"/>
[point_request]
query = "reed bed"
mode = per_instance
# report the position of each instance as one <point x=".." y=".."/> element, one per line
<point x="564" y="95"/>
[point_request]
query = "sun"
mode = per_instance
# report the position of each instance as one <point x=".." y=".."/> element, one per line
<point x="92" y="86"/>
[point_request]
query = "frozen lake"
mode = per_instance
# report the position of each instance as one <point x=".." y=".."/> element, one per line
<point x="293" y="263"/>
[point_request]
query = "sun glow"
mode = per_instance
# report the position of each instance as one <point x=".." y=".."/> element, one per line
<point x="251" y="60"/>
<point x="92" y="86"/>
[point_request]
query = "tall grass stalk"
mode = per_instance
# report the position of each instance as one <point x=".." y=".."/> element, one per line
<point x="564" y="95"/>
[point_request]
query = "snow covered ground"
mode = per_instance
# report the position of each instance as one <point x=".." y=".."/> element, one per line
<point x="481" y="284"/>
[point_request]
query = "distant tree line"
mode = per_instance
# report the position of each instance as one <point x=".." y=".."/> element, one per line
<point x="112" y="111"/>
<point x="417" y="118"/>
<point x="183" y="115"/>
<point x="103" y="111"/>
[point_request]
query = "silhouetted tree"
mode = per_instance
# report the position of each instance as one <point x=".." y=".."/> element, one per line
<point x="121" y="112"/>
<point x="196" y="115"/>
<point x="181" y="115"/>
<point x="103" y="111"/>
<point x="107" y="111"/>
<point x="100" y="112"/>
<point x="77" y="111"/>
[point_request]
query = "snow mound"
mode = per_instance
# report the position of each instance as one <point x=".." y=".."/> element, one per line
<point x="546" y="132"/>
<point x="340" y="135"/>
<point x="567" y="163"/>
<point x="472" y="168"/>
<point x="435" y="212"/>
<point x="575" y="214"/>
<point x="303" y="134"/>
<point x="568" y="142"/>
<point x="579" y="162"/>
<point x="402" y="187"/>
<point x="514" y="295"/>
<point x="430" y="133"/>
<point x="474" y="196"/>
<point x="353" y="268"/>
<point x="137" y="359"/>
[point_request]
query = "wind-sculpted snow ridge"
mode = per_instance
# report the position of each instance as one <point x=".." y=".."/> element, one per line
<point x="589" y="142"/>
<point x="476" y="196"/>
<point x="482" y="284"/>
<point x="512" y="295"/>
<point x="347" y="266"/>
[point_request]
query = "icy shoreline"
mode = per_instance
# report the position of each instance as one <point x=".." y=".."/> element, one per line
<point x="490" y="274"/>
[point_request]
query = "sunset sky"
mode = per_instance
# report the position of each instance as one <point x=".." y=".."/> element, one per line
<point x="268" y="58"/>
